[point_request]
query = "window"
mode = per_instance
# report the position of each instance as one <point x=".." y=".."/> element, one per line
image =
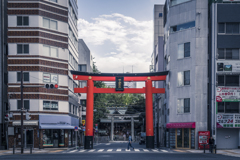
<point x="72" y="61"/>
<point x="182" y="26"/>
<point x="83" y="102"/>
<point x="221" y="28"/>
<point x="229" y="28"/>
<point x="22" y="21"/>
<point x="228" y="80"/>
<point x="50" y="78"/>
<point x="219" y="66"/>
<point x="22" y="48"/>
<point x="176" y="2"/>
<point x="54" y="1"/>
<point x="70" y="108"/>
<point x="232" y="28"/>
<point x="184" y="78"/>
<point x="25" y="104"/>
<point x="230" y="53"/>
<point x="228" y="107"/>
<point x="82" y="68"/>
<point x="184" y="50"/>
<point x="183" y="105"/>
<point x="25" y="76"/>
<point x="83" y="84"/>
<point x="50" y="105"/>
<point x="220" y="80"/>
<point x="50" y="51"/>
<point x="51" y="24"/>
<point x="160" y="15"/>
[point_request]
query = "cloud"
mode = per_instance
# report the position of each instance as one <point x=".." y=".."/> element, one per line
<point x="118" y="41"/>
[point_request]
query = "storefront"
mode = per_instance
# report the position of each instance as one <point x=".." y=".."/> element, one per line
<point x="181" y="135"/>
<point x="58" y="131"/>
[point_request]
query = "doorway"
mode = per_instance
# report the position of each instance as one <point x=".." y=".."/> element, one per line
<point x="29" y="138"/>
<point x="183" y="138"/>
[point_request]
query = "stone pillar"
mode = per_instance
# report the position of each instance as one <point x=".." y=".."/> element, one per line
<point x="112" y="128"/>
<point x="132" y="128"/>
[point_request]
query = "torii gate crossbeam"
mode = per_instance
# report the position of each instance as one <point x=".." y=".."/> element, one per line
<point x="148" y="90"/>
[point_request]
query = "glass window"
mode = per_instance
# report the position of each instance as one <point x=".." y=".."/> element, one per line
<point x="220" y="80"/>
<point x="186" y="77"/>
<point x="180" y="51"/>
<point x="182" y="26"/>
<point x="22" y="48"/>
<point x="186" y="105"/>
<point x="47" y="138"/>
<point x="46" y="50"/>
<point x="219" y="66"/>
<point x="46" y="23"/>
<point x="232" y="28"/>
<point x="54" y="52"/>
<point x="221" y="54"/>
<point x="221" y="28"/>
<point x="231" y="107"/>
<point x="232" y="80"/>
<point x="160" y="14"/>
<point x="235" y="53"/>
<point x="180" y="78"/>
<point x="187" y="49"/>
<point x="53" y="24"/>
<point x="25" y="104"/>
<point x="180" y="106"/>
<point x="82" y="68"/>
<point x="22" y="21"/>
<point x="220" y="106"/>
<point x="25" y="76"/>
<point x="176" y="2"/>
<point x="54" y="1"/>
<point x="50" y="105"/>
<point x="69" y="137"/>
<point x="69" y="105"/>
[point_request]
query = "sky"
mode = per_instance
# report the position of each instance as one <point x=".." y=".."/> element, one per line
<point x="119" y="33"/>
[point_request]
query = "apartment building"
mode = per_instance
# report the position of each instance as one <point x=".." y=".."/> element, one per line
<point x="42" y="42"/>
<point x="186" y="59"/>
<point x="224" y="72"/>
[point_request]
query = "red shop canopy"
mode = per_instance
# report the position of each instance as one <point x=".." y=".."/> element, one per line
<point x="181" y="125"/>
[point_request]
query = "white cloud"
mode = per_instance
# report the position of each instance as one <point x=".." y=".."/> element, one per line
<point x="123" y="41"/>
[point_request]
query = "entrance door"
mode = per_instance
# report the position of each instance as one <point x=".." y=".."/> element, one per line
<point x="28" y="138"/>
<point x="183" y="138"/>
<point x="55" y="138"/>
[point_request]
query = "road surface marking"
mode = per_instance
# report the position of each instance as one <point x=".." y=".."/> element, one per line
<point x="164" y="151"/>
<point x="108" y="143"/>
<point x="91" y="150"/>
<point x="82" y="151"/>
<point x="145" y="150"/>
<point x="118" y="150"/>
<point x="137" y="150"/>
<point x="154" y="150"/>
<point x="100" y="150"/>
<point x="73" y="151"/>
<point x="128" y="150"/>
<point x="109" y="150"/>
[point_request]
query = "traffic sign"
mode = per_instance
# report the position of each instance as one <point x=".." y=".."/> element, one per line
<point x="83" y="122"/>
<point x="76" y="128"/>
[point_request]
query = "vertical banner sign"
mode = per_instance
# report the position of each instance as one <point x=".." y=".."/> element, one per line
<point x="119" y="84"/>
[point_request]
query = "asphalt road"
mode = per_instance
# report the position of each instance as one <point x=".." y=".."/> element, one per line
<point x="117" y="151"/>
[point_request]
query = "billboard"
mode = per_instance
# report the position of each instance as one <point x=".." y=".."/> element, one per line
<point x="228" y="94"/>
<point x="228" y="120"/>
<point x="226" y="66"/>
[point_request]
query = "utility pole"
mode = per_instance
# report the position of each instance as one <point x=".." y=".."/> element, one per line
<point x="22" y="108"/>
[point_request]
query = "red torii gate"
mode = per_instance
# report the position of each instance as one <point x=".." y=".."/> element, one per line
<point x="148" y="90"/>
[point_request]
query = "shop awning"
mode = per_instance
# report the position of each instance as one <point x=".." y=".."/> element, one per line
<point x="25" y="123"/>
<point x="56" y="127"/>
<point x="181" y="125"/>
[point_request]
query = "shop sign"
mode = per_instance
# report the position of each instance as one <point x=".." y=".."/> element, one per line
<point x="231" y="0"/>
<point x="228" y="94"/>
<point x="228" y="66"/>
<point x="228" y="120"/>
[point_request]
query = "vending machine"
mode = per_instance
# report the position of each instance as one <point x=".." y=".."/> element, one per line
<point x="203" y="138"/>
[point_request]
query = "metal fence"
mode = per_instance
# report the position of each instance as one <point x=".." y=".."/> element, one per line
<point x="101" y="139"/>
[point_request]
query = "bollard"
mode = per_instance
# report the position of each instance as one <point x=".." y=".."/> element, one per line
<point x="13" y="149"/>
<point x="204" y="148"/>
<point x="30" y="149"/>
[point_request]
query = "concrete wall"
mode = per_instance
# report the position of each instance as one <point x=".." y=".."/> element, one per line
<point x="85" y="56"/>
<point x="196" y="63"/>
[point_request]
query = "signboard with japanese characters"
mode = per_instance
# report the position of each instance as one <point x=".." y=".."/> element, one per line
<point x="228" y="94"/>
<point x="228" y="120"/>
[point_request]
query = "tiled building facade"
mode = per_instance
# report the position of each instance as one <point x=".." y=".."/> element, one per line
<point x="42" y="42"/>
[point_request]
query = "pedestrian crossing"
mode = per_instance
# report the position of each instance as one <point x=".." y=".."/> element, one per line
<point x="119" y="150"/>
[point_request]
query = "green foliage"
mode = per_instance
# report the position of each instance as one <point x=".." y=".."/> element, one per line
<point x="101" y="101"/>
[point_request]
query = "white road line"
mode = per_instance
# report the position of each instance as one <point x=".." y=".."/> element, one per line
<point x="91" y="150"/>
<point x="145" y="150"/>
<point x="118" y="150"/>
<point x="164" y="151"/>
<point x="100" y="150"/>
<point x="137" y="150"/>
<point x="82" y="151"/>
<point x="128" y="150"/>
<point x="72" y="151"/>
<point x="108" y="143"/>
<point x="154" y="150"/>
<point x="109" y="150"/>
